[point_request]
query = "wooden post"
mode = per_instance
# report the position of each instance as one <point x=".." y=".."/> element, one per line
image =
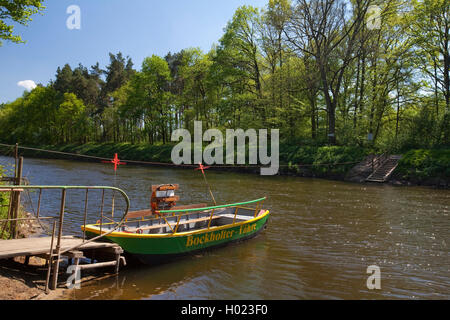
<point x="15" y="208"/>
<point x="50" y="258"/>
<point x="58" y="245"/>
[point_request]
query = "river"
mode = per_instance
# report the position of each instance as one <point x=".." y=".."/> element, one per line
<point x="321" y="238"/>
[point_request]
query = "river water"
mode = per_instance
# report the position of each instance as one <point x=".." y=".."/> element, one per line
<point x="321" y="238"/>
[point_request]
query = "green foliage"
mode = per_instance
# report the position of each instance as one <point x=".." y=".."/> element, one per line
<point x="19" y="11"/>
<point x="138" y="152"/>
<point x="4" y="204"/>
<point x="322" y="161"/>
<point x="425" y="163"/>
<point x="43" y="115"/>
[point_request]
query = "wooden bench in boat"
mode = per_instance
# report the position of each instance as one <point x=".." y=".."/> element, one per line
<point x="243" y="217"/>
<point x="238" y="217"/>
<point x="171" y="224"/>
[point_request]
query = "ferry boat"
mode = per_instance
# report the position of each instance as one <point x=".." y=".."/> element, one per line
<point x="167" y="231"/>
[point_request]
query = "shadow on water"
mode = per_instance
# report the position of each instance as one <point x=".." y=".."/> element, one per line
<point x="321" y="237"/>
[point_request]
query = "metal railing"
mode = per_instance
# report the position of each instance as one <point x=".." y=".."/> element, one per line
<point x="210" y="208"/>
<point x="59" y="220"/>
<point x="64" y="189"/>
<point x="379" y="161"/>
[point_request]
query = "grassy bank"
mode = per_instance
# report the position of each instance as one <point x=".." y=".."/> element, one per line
<point x="136" y="152"/>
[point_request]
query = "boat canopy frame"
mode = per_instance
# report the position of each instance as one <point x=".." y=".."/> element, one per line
<point x="212" y="208"/>
<point x="173" y="226"/>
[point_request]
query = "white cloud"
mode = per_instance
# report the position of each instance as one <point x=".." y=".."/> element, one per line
<point x="27" y="84"/>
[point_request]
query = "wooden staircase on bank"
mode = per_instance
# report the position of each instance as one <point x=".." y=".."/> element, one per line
<point x="385" y="170"/>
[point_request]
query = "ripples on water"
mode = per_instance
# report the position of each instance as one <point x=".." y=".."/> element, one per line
<point x="320" y="240"/>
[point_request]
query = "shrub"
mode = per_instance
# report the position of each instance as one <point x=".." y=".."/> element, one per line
<point x="425" y="163"/>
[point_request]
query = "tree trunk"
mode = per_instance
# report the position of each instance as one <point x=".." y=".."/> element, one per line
<point x="356" y="96"/>
<point x="313" y="118"/>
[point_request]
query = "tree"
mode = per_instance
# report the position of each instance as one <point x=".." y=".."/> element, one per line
<point x="429" y="26"/>
<point x="118" y="72"/>
<point x="64" y="79"/>
<point x="19" y="11"/>
<point x="327" y="31"/>
<point x="32" y="118"/>
<point x="197" y="96"/>
<point x="273" y="25"/>
<point x="70" y="117"/>
<point x="432" y="40"/>
<point x="176" y="86"/>
<point x="149" y="98"/>
<point x="238" y="56"/>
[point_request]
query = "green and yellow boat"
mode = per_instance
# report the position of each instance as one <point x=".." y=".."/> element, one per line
<point x="166" y="231"/>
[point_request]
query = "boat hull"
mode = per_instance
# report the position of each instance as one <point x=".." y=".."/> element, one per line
<point x="157" y="248"/>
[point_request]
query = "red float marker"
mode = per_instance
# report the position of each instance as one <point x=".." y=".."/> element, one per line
<point x="201" y="167"/>
<point x="116" y="162"/>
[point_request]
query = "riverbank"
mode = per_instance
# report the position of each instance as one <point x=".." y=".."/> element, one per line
<point x="306" y="161"/>
<point x="428" y="167"/>
<point x="425" y="167"/>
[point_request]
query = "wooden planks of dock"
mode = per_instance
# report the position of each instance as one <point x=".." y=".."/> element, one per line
<point x="40" y="246"/>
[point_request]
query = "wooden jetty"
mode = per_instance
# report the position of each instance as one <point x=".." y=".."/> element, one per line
<point x="72" y="248"/>
<point x="57" y="247"/>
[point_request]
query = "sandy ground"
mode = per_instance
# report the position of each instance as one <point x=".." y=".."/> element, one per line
<point x="25" y="282"/>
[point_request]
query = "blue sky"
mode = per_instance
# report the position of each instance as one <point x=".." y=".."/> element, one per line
<point x="137" y="28"/>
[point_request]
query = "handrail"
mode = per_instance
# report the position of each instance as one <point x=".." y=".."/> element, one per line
<point x="379" y="161"/>
<point x="65" y="188"/>
<point x="211" y="208"/>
